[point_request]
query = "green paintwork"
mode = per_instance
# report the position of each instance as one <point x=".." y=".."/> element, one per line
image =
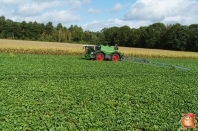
<point x="107" y="49"/>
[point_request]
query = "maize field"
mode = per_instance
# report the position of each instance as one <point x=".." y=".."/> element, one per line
<point x="35" y="47"/>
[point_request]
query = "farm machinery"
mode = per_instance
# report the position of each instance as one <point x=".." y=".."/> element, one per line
<point x="106" y="52"/>
<point x="102" y="52"/>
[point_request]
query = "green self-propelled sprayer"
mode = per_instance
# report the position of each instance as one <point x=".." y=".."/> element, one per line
<point x="102" y="52"/>
<point x="106" y="52"/>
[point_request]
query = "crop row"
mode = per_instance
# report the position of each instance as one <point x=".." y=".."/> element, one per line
<point x="58" y="92"/>
<point x="58" y="51"/>
<point x="39" y="51"/>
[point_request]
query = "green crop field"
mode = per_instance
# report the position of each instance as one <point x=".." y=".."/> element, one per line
<point x="67" y="93"/>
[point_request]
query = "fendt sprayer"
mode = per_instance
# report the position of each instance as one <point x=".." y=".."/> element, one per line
<point x="106" y="52"/>
<point x="102" y="52"/>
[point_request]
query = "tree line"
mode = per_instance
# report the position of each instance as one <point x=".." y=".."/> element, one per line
<point x="155" y="36"/>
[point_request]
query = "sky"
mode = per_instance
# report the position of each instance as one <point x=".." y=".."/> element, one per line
<point x="94" y="15"/>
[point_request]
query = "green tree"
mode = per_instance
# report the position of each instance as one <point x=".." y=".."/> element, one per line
<point x="16" y="30"/>
<point x="35" y="30"/>
<point x="176" y="37"/>
<point x="11" y="29"/>
<point x="192" y="44"/>
<point x="123" y="36"/>
<point x="60" y="32"/>
<point x="94" y="39"/>
<point x="77" y="33"/>
<point x="153" y="34"/>
<point x="110" y="35"/>
<point x="137" y="37"/>
<point x="102" y="39"/>
<point x="24" y="30"/>
<point x="2" y="26"/>
<point x="49" y="28"/>
<point x="87" y="36"/>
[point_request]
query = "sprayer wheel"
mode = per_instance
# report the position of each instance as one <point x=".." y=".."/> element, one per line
<point x="99" y="56"/>
<point x="115" y="57"/>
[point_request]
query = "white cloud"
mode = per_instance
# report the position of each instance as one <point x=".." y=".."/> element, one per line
<point x="34" y="8"/>
<point x="147" y="12"/>
<point x="181" y="11"/>
<point x="11" y="2"/>
<point x="141" y="13"/>
<point x="62" y="16"/>
<point x="118" y="7"/>
<point x="93" y="11"/>
<point x="75" y="3"/>
<point x="99" y="25"/>
<point x="87" y="1"/>
<point x="56" y="11"/>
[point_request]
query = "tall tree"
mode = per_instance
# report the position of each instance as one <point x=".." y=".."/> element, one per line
<point x="153" y="35"/>
<point x="24" y="29"/>
<point x="59" y="29"/>
<point x="87" y="35"/>
<point x="192" y="44"/>
<point x="2" y="26"/>
<point x="137" y="37"/>
<point x="35" y="29"/>
<point x="123" y="36"/>
<point x="11" y="29"/>
<point x="77" y="33"/>
<point x="110" y="35"/>
<point x="176" y="37"/>
<point x="49" y="28"/>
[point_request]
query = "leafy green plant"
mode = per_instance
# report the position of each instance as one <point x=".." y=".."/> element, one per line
<point x="50" y="92"/>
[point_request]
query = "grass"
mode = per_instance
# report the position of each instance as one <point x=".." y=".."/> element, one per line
<point x="35" y="47"/>
<point x="50" y="92"/>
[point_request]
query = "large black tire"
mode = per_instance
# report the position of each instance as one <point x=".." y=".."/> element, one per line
<point x="99" y="56"/>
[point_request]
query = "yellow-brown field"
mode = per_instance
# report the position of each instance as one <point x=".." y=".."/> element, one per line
<point x="35" y="47"/>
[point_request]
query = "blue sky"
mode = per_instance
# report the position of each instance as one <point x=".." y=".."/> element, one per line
<point x="94" y="15"/>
